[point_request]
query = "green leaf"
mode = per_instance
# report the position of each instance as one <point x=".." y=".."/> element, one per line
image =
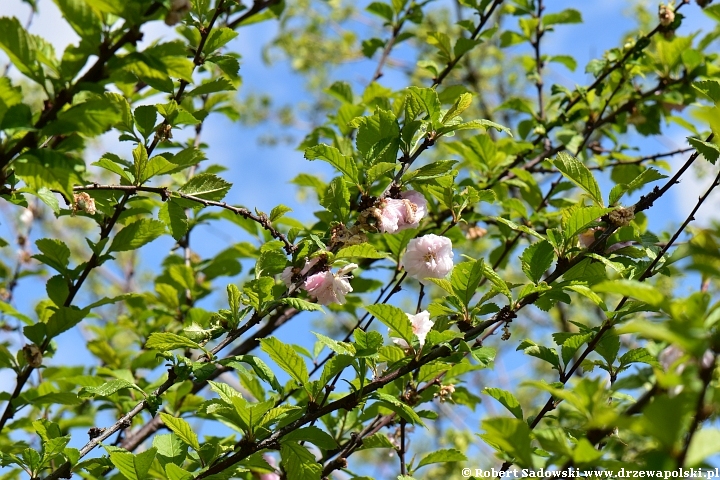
<point x="632" y="288"/>
<point x="313" y="435"/>
<point x="278" y="212"/>
<point x="107" y="389"/>
<point x="499" y="284"/>
<point x="704" y="445"/>
<point x="474" y="125"/>
<point x="465" y="278"/>
<point x="298" y="462"/>
<point x="364" y="250"/>
<point x="511" y="436"/>
<point x="538" y="351"/>
<point x="81" y="18"/>
<point x="133" y="467"/>
<point x="140" y="161"/>
<point x="90" y="118"/>
<point x="300" y="304"/>
<point x="378" y="136"/>
<point x="64" y="319"/>
<point x="332" y="155"/>
<point x="19" y="47"/>
<point x="287" y="358"/>
<point x="113" y="163"/>
<point x="54" y="253"/>
<point x="507" y="400"/>
<point x="341" y="348"/>
<point x="638" y="355"/>
<point x="217" y="85"/>
<point x="382" y="10"/>
<point x="536" y="259"/>
<point x="579" y="174"/>
<point x="424" y="100"/>
<point x="710" y="151"/>
<point x="337" y="199"/>
<point x="566" y="60"/>
<point x="569" y="15"/>
<point x="218" y="38"/>
<point x="460" y="105"/>
<point x="174" y="218"/>
<point x="206" y="186"/>
<point x="395" y="319"/>
<point x="581" y="218"/>
<point x="136" y="234"/>
<point x="168" y="341"/>
<point x="145" y="119"/>
<point x="182" y="429"/>
<point x="402" y="409"/>
<point x="442" y="456"/>
<point x="709" y="88"/>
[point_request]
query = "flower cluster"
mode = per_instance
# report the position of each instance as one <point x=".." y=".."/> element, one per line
<point x="326" y="286"/>
<point x="403" y="213"/>
<point x="83" y="202"/>
<point x="429" y="256"/>
<point x="421" y="326"/>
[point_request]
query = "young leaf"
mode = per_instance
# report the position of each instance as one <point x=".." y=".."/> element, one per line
<point x="136" y="234"/>
<point x="168" y="341"/>
<point x="333" y="156"/>
<point x="287" y="358"/>
<point x="579" y="174"/>
<point x="133" y="467"/>
<point x="507" y="399"/>
<point x="395" y="319"/>
<point x="442" y="456"/>
<point x="206" y="186"/>
<point x="182" y="429"/>
<point x="536" y="259"/>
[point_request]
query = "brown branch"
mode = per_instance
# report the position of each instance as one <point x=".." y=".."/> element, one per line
<point x="257" y="7"/>
<point x="481" y="24"/>
<point x="165" y="193"/>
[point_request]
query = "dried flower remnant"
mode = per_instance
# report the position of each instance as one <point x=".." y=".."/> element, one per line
<point x="428" y="256"/>
<point x="33" y="355"/>
<point x="622" y="216"/>
<point x="82" y="202"/>
<point x="421" y="326"/>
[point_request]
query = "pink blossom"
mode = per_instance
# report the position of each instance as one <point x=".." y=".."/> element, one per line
<point x="288" y="273"/>
<point x="421" y="325"/>
<point x="403" y="213"/>
<point x="328" y="287"/>
<point x="428" y="256"/>
<point x="270" y="475"/>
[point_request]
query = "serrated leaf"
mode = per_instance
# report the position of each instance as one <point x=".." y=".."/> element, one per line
<point x="107" y="389"/>
<point x="474" y="125"/>
<point x="174" y="217"/>
<point x="278" y="212"/>
<point x="536" y="260"/>
<point x="206" y="186"/>
<point x="133" y="467"/>
<point x="182" y="429"/>
<point x="298" y="462"/>
<point x="539" y="351"/>
<point x="168" y="341"/>
<point x="569" y="15"/>
<point x="300" y="304"/>
<point x="395" y="319"/>
<point x="400" y="408"/>
<point x="426" y="100"/>
<point x="136" y="234"/>
<point x="709" y="88"/>
<point x="145" y="120"/>
<point x="579" y="174"/>
<point x="313" y="435"/>
<point x="341" y="348"/>
<point x="287" y="358"/>
<point x="638" y="355"/>
<point x="710" y="151"/>
<point x="63" y="319"/>
<point x="442" y="456"/>
<point x="580" y="219"/>
<point x="499" y="284"/>
<point x="332" y="155"/>
<point x="460" y="105"/>
<point x="54" y="253"/>
<point x="507" y="400"/>
<point x="465" y="278"/>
